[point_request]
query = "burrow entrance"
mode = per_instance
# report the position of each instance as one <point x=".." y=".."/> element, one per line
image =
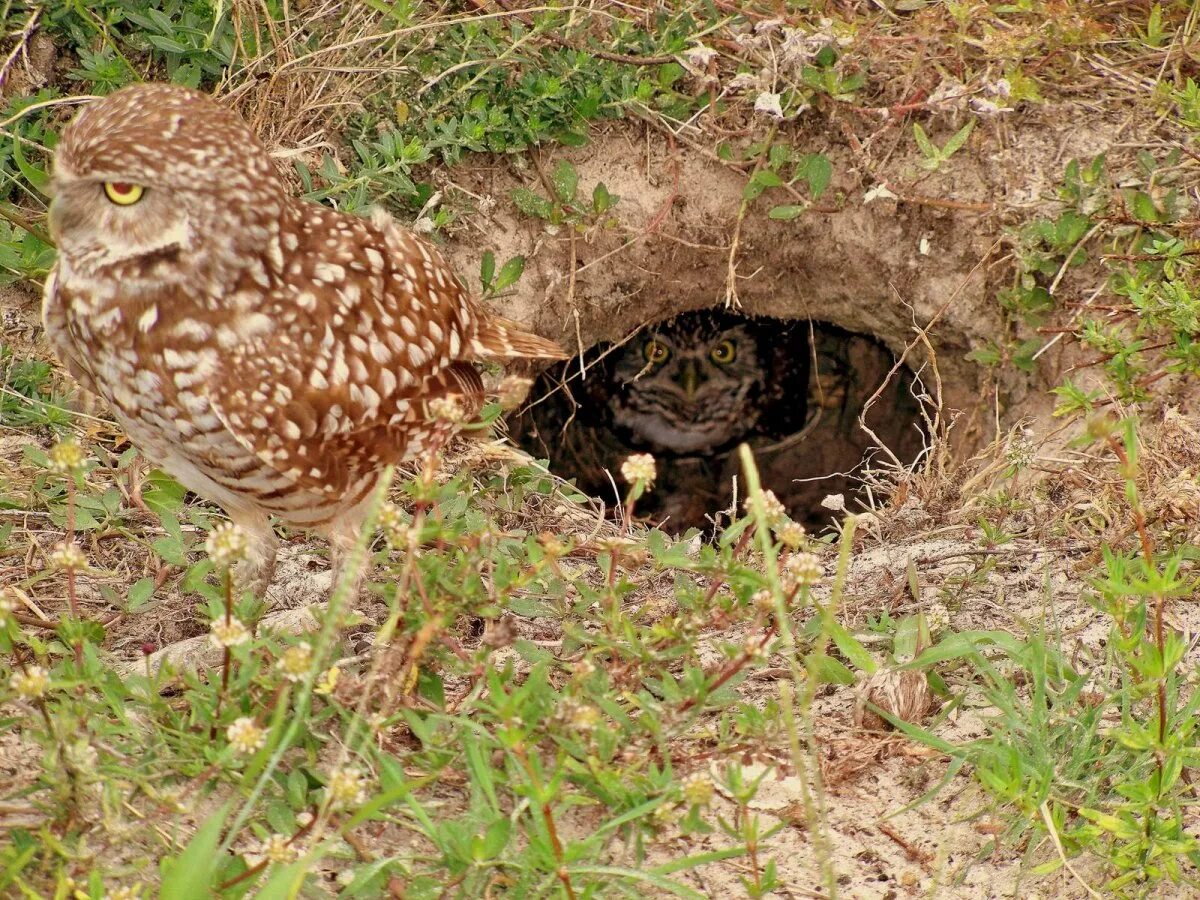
<point x="689" y="389"/>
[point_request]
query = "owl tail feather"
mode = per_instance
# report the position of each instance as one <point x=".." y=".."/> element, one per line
<point x="501" y="339"/>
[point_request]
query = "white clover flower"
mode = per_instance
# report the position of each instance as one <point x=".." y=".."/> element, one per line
<point x="230" y="633"/>
<point x="768" y="102"/>
<point x="30" y="682"/>
<point x="67" y="556"/>
<point x="66" y="457"/>
<point x="226" y="544"/>
<point x="347" y="788"/>
<point x="245" y="737"/>
<point x="295" y="661"/>
<point x="639" y="467"/>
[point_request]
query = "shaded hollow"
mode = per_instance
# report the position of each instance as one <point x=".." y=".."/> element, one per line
<point x="689" y="389"/>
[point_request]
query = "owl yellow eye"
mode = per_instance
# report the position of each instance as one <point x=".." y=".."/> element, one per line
<point x="123" y="193"/>
<point x="656" y="352"/>
<point x="724" y="353"/>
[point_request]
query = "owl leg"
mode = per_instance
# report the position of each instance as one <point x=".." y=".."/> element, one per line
<point x="341" y="547"/>
<point x="255" y="573"/>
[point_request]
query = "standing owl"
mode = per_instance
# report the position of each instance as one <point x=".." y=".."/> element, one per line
<point x="271" y="354"/>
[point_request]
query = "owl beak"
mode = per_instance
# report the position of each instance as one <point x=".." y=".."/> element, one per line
<point x="689" y="377"/>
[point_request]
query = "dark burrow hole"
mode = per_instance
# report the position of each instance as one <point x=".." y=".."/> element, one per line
<point x="690" y="389"/>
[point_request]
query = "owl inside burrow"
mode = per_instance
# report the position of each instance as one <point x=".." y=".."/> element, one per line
<point x="271" y="354"/>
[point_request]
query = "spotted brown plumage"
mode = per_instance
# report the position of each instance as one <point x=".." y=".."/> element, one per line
<point x="271" y="354"/>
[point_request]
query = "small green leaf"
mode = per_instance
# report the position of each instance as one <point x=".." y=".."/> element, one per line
<point x="817" y="170"/>
<point x="566" y="181"/>
<point x="510" y="272"/>
<point x="602" y="200"/>
<point x="960" y="137"/>
<point x="786" y="212"/>
<point x="190" y="875"/>
<point x="532" y="204"/>
<point x="828" y="670"/>
<point x="923" y="143"/>
<point x="487" y="269"/>
<point x="139" y="593"/>
<point x="37" y="178"/>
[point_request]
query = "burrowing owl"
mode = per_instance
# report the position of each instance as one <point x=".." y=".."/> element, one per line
<point x="271" y="354"/>
<point x="701" y="382"/>
<point x="688" y="390"/>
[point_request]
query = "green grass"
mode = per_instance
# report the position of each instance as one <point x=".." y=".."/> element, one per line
<point x="560" y="709"/>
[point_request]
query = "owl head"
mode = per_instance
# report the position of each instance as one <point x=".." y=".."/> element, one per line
<point x="691" y="385"/>
<point x="157" y="180"/>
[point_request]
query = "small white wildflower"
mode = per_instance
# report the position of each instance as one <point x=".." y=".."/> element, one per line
<point x="937" y="619"/>
<point x="226" y="544"/>
<point x="803" y="569"/>
<point x="700" y="56"/>
<point x="582" y="717"/>
<point x="448" y="409"/>
<point x="639" y="467"/>
<point x="879" y="192"/>
<point x="774" y="506"/>
<point x="228" y="633"/>
<point x="790" y="533"/>
<point x="754" y="648"/>
<point x="66" y="457"/>
<point x="67" y="556"/>
<point x="698" y="789"/>
<point x="346" y="788"/>
<point x="277" y="849"/>
<point x="295" y="661"/>
<point x="763" y="601"/>
<point x="245" y="737"/>
<point x="834" y="502"/>
<point x="768" y="102"/>
<point x="30" y="682"/>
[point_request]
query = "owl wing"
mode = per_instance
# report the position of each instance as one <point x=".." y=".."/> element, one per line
<point x="62" y="341"/>
<point x="334" y="379"/>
